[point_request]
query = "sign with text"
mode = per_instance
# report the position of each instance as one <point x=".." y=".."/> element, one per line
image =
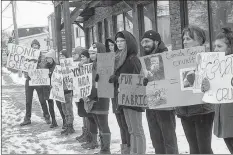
<point x="66" y="65"/>
<point x="39" y="77"/>
<point x="220" y="76"/>
<point x="57" y="91"/>
<point x="22" y="58"/>
<point x="82" y="82"/>
<point x="105" y="68"/>
<point x="203" y="60"/>
<point x="132" y="92"/>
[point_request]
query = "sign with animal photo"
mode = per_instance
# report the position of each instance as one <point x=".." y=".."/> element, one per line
<point x="105" y="68"/>
<point x="22" y="58"/>
<point x="203" y="60"/>
<point x="220" y="76"/>
<point x="66" y="65"/>
<point x="82" y="82"/>
<point x="39" y="77"/>
<point x="57" y="91"/>
<point x="132" y="92"/>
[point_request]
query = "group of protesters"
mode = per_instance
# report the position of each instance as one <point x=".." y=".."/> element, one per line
<point x="197" y="120"/>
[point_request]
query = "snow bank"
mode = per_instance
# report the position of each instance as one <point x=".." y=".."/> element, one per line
<point x="14" y="76"/>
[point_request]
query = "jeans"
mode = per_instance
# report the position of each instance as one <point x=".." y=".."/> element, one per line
<point x="137" y="137"/>
<point x="29" y="96"/>
<point x="92" y="125"/>
<point x="67" y="109"/>
<point x="229" y="143"/>
<point x="198" y="131"/>
<point x="125" y="136"/>
<point x="102" y="122"/>
<point x="51" y="109"/>
<point x="162" y="127"/>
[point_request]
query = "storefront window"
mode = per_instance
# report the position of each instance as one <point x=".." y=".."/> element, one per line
<point x="90" y="36"/>
<point x="198" y="16"/>
<point x="149" y="16"/>
<point x="129" y="21"/>
<point x="95" y="33"/>
<point x="120" y="22"/>
<point x="163" y="20"/>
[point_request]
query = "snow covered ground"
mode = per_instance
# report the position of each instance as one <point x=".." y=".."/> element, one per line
<point x="39" y="138"/>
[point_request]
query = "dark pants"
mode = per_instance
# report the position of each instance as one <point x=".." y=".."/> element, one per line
<point x="198" y="131"/>
<point x="229" y="143"/>
<point x="102" y="122"/>
<point x="162" y="127"/>
<point x="51" y="109"/>
<point x="29" y="96"/>
<point x="92" y="125"/>
<point x="125" y="136"/>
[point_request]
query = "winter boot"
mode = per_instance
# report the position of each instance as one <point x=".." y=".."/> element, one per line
<point x="87" y="138"/>
<point x="65" y="130"/>
<point x="25" y="122"/>
<point x="83" y="135"/>
<point x="47" y="119"/>
<point x="105" y="139"/>
<point x="64" y="124"/>
<point x="53" y="124"/>
<point x="70" y="129"/>
<point x="93" y="144"/>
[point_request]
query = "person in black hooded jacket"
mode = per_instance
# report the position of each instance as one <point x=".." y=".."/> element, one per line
<point x="126" y="61"/>
<point x="125" y="136"/>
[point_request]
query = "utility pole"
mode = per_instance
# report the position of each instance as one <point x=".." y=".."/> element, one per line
<point x="16" y="36"/>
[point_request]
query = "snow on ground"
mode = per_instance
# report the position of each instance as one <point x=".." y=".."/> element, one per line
<point x="39" y="138"/>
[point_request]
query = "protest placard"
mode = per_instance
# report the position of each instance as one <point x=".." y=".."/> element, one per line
<point x="66" y="65"/>
<point x="57" y="91"/>
<point x="82" y="82"/>
<point x="220" y="76"/>
<point x="132" y="92"/>
<point x="203" y="60"/>
<point x="39" y="77"/>
<point x="105" y="68"/>
<point x="22" y="58"/>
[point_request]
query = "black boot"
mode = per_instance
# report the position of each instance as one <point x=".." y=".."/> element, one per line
<point x="25" y="122"/>
<point x="54" y="123"/>
<point x="93" y="144"/>
<point x="70" y="129"/>
<point x="82" y="135"/>
<point x="64" y="131"/>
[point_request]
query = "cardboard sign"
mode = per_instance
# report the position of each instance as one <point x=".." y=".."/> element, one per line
<point x="105" y="68"/>
<point x="82" y="81"/>
<point x="203" y="60"/>
<point x="171" y="78"/>
<point x="57" y="91"/>
<point x="39" y="77"/>
<point x="22" y="58"/>
<point x="132" y="92"/>
<point x="66" y="65"/>
<point x="220" y="76"/>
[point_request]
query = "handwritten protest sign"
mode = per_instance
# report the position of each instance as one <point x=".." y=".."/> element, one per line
<point x="203" y="60"/>
<point x="39" y="77"/>
<point x="57" y="92"/>
<point x="132" y="92"/>
<point x="105" y="68"/>
<point x="66" y="65"/>
<point x="220" y="76"/>
<point x="82" y="81"/>
<point x="22" y="58"/>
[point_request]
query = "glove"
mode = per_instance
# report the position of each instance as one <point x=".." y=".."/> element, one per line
<point x="28" y="77"/>
<point x="145" y="81"/>
<point x="205" y="86"/>
<point x="97" y="78"/>
<point x="113" y="79"/>
<point x="50" y="74"/>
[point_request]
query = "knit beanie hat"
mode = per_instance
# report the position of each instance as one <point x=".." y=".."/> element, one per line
<point x="35" y="42"/>
<point x="50" y="54"/>
<point x="85" y="53"/>
<point x="119" y="35"/>
<point x="64" y="52"/>
<point x="155" y="36"/>
<point x="78" y="50"/>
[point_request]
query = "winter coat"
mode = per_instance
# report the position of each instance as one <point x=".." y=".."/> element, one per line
<point x="223" y="120"/>
<point x="132" y="65"/>
<point x="101" y="106"/>
<point x="160" y="49"/>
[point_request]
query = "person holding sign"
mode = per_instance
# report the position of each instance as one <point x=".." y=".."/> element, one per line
<point x="161" y="122"/>
<point x="126" y="61"/>
<point x="29" y="93"/>
<point x="111" y="46"/>
<point x="223" y="120"/>
<point x="97" y="106"/>
<point x="67" y="107"/>
<point x="50" y="64"/>
<point x="197" y="120"/>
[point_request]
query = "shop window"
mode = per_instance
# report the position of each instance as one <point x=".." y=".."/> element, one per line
<point x="149" y="16"/>
<point x="163" y="22"/>
<point x="106" y="29"/>
<point x="91" y="40"/>
<point x="120" y="22"/>
<point x="94" y="33"/>
<point x="129" y="21"/>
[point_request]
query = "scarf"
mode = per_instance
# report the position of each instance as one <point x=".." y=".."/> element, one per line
<point x="120" y="58"/>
